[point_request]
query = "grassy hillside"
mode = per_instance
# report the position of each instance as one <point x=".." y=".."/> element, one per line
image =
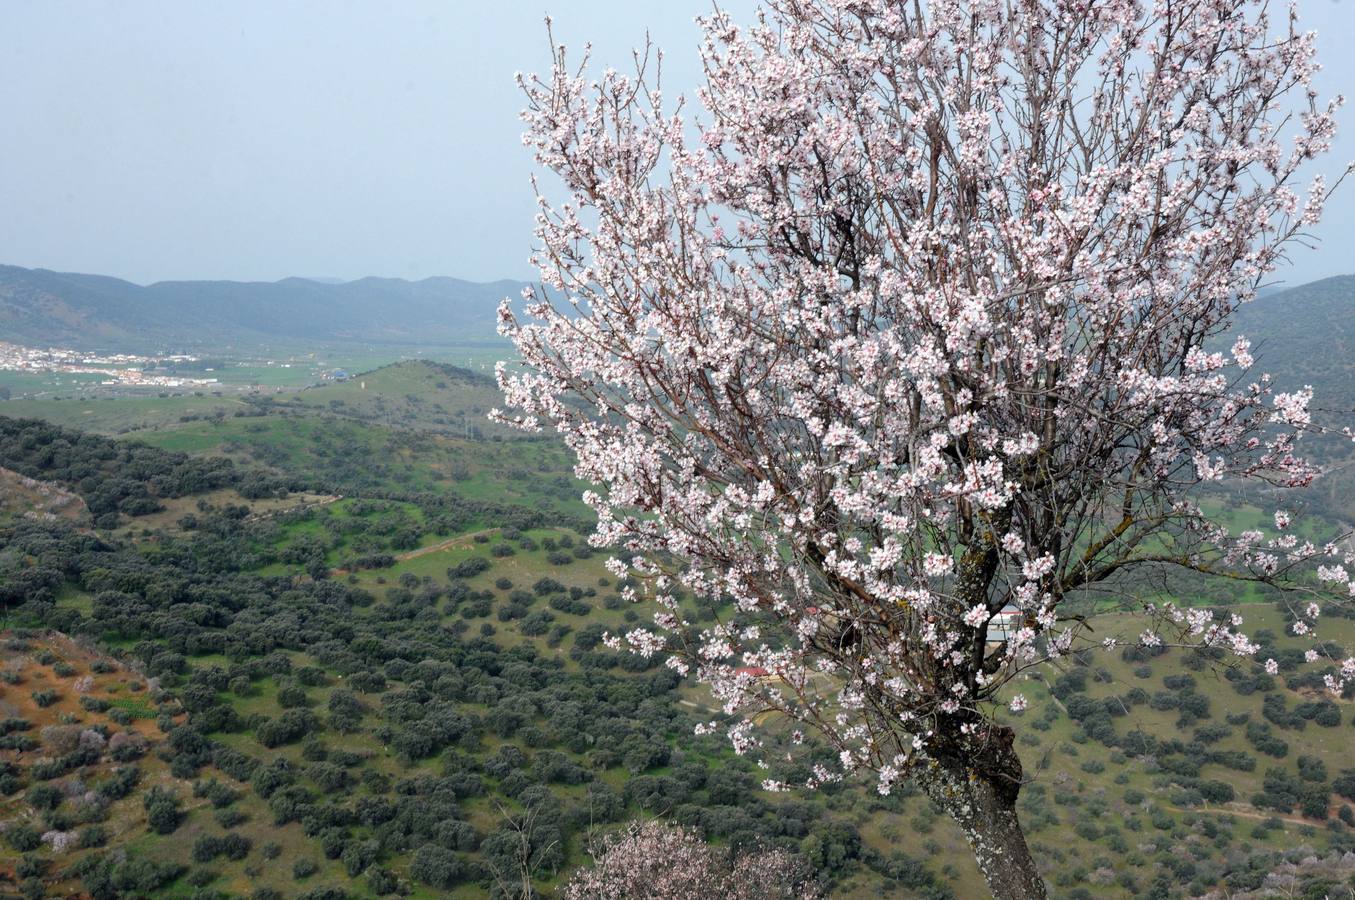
<point x="1306" y="334"/>
<point x="419" y="395"/>
<point x="1116" y="810"/>
<point x="416" y="394"/>
<point x="369" y="661"/>
<point x="123" y="415"/>
<point x="28" y="497"/>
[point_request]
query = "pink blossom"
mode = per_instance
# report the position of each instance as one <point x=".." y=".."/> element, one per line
<point x="909" y="323"/>
<point x="936" y="564"/>
<point x="663" y="862"/>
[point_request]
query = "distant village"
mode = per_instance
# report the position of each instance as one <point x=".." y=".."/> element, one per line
<point x="118" y="368"/>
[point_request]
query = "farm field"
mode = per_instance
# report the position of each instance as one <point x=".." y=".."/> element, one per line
<point x="265" y="370"/>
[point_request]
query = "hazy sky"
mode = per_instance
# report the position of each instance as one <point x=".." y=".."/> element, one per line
<point x="256" y="140"/>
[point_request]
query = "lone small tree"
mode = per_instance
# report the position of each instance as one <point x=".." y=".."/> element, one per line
<point x="665" y="862"/>
<point x="913" y="325"/>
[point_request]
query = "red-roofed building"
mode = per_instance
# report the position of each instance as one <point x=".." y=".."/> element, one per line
<point x="1005" y="624"/>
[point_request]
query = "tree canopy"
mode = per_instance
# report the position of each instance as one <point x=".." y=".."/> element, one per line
<point x="913" y="326"/>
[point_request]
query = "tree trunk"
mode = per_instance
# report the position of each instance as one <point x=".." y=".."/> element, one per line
<point x="979" y="791"/>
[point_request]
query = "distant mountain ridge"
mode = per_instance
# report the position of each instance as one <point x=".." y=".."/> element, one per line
<point x="1303" y="334"/>
<point x="1306" y="335"/>
<point x="45" y="308"/>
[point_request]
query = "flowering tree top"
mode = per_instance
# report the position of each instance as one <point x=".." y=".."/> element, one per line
<point x="911" y="324"/>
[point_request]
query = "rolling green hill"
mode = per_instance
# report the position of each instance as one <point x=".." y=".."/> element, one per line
<point x="1306" y="335"/>
<point x="366" y="695"/>
<point x="374" y="639"/>
<point x="416" y="394"/>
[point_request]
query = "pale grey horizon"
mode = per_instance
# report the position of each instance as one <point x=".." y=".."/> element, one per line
<point x="155" y="140"/>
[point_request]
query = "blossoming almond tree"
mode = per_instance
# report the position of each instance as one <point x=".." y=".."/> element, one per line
<point x="911" y="325"/>
<point x="660" y="862"/>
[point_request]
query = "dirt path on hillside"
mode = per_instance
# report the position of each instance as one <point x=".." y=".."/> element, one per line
<point x="1049" y="687"/>
<point x="694" y="705"/>
<point x="461" y="540"/>
<point x="449" y="544"/>
<point x="1242" y="813"/>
